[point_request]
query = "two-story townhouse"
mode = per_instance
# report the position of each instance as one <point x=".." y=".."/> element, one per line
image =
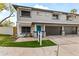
<point x="31" y="20"/>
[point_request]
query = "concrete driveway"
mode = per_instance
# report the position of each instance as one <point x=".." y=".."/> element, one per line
<point x="68" y="39"/>
<point x="68" y="45"/>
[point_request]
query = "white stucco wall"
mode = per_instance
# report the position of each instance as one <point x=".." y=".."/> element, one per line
<point x="6" y="30"/>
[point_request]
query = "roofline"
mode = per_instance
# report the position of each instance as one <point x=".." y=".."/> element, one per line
<point x="16" y="6"/>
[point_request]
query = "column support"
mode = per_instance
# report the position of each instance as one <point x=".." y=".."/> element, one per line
<point x="35" y="27"/>
<point x="18" y="29"/>
<point x="63" y="31"/>
<point x="44" y="31"/>
<point x="35" y="34"/>
<point x="77" y="30"/>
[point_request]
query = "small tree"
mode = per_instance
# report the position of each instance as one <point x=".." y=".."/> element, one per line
<point x="7" y="23"/>
<point x="7" y="7"/>
<point x="73" y="11"/>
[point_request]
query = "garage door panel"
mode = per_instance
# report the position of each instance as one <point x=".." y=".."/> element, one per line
<point x="51" y="30"/>
<point x="70" y="30"/>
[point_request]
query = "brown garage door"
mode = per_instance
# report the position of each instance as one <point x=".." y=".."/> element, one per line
<point x="53" y="30"/>
<point x="70" y="30"/>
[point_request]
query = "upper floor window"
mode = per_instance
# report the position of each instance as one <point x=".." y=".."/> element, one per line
<point x="25" y="13"/>
<point x="68" y="17"/>
<point x="55" y="16"/>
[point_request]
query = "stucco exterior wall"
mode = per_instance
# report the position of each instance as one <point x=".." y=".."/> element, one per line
<point x="41" y="16"/>
<point x="62" y="17"/>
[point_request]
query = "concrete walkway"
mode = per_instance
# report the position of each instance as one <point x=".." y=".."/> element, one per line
<point x="25" y="39"/>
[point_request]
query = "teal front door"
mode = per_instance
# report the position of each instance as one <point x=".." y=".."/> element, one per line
<point x="38" y="27"/>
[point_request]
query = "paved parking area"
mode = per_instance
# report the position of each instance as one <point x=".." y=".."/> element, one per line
<point x="69" y="50"/>
<point x="68" y="39"/>
<point x="68" y="45"/>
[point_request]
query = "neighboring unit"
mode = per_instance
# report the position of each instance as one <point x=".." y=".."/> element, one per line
<point x="49" y="22"/>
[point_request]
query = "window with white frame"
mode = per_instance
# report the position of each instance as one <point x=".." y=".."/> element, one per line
<point x="55" y="16"/>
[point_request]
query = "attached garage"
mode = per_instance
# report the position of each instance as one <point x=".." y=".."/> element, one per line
<point x="53" y="30"/>
<point x="70" y="30"/>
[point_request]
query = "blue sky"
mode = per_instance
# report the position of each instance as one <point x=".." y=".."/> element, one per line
<point x="66" y="7"/>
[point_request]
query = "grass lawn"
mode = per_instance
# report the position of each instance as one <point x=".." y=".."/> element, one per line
<point x="6" y="40"/>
